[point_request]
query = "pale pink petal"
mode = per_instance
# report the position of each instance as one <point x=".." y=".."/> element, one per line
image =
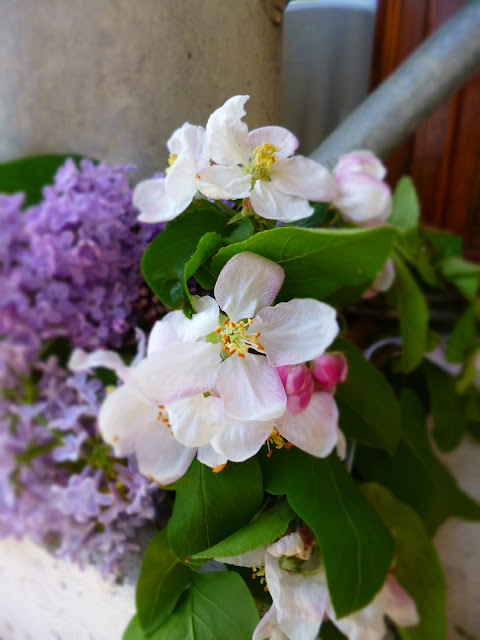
<point x="141" y="339"/>
<point x="251" y="389"/>
<point x="239" y="440"/>
<point x="153" y="201"/>
<point x="218" y="182"/>
<point x="363" y="199"/>
<point x="159" y="455"/>
<point x="123" y="415"/>
<point x="80" y="360"/>
<point x="250" y="559"/>
<point x="290" y="545"/>
<point x="208" y="456"/>
<point x="281" y="138"/>
<point x="178" y="371"/>
<point x="226" y="140"/>
<point x="268" y="202"/>
<point x="304" y="178"/>
<point x="176" y="327"/>
<point x="163" y="333"/>
<point x="191" y="420"/>
<point x="314" y="430"/>
<point x="400" y="606"/>
<point x="386" y="277"/>
<point x="268" y="629"/>
<point x="296" y="331"/>
<point x="246" y="284"/>
<point x="188" y="136"/>
<point x="359" y="162"/>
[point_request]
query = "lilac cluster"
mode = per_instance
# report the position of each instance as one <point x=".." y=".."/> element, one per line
<point x="60" y="482"/>
<point x="70" y="266"/>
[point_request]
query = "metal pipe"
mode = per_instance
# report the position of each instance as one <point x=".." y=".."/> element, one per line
<point x="428" y="76"/>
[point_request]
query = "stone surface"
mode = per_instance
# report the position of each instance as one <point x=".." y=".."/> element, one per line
<point x="113" y="78"/>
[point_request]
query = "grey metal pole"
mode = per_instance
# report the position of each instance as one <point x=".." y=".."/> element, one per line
<point x="396" y="108"/>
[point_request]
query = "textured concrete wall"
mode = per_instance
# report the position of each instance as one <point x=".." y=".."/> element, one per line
<point x="113" y="78"/>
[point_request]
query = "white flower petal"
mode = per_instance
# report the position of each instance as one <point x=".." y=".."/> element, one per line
<point x="207" y="455"/>
<point x="80" y="360"/>
<point x="268" y="202"/>
<point x="304" y="178"/>
<point x="251" y="389"/>
<point x="159" y="455"/>
<point x="400" y="607"/>
<point x="178" y="371"/>
<point x="296" y="331"/>
<point x="268" y="629"/>
<point x="123" y="415"/>
<point x="218" y="182"/>
<point x="226" y="140"/>
<point x="280" y="137"/>
<point x="192" y="421"/>
<point x="239" y="440"/>
<point x="162" y="334"/>
<point x="153" y="201"/>
<point x="250" y="559"/>
<point x="180" y="182"/>
<point x="188" y="136"/>
<point x="314" y="430"/>
<point x="141" y="346"/>
<point x="363" y="199"/>
<point x="246" y="284"/>
<point x="290" y="545"/>
<point x="359" y="162"/>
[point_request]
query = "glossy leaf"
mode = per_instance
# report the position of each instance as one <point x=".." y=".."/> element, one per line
<point x="417" y="567"/>
<point x="356" y="547"/>
<point x="31" y="174"/>
<point x="267" y="527"/>
<point x="211" y="506"/>
<point x="177" y="252"/>
<point x="216" y="607"/>
<point x="406" y="207"/>
<point x="443" y="244"/>
<point x="160" y="584"/>
<point x="368" y="406"/>
<point x="463" y="339"/>
<point x="134" y="631"/>
<point x="448" y="407"/>
<point x="414" y="474"/>
<point x="412" y="310"/>
<point x="335" y="266"/>
<point x="464" y="275"/>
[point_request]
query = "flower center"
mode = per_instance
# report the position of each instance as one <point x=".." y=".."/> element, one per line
<point x="260" y="573"/>
<point x="277" y="441"/>
<point x="263" y="159"/>
<point x="171" y="161"/>
<point x="236" y="339"/>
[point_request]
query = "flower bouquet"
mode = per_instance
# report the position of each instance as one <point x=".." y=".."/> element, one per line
<point x="268" y="390"/>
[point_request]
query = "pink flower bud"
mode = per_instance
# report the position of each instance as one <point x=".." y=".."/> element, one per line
<point x="298" y="385"/>
<point x="329" y="370"/>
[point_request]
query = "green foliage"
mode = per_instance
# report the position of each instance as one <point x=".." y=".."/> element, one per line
<point x="31" y="174"/>
<point x="412" y="310"/>
<point x="335" y="266"/>
<point x="369" y="410"/>
<point x="134" y="631"/>
<point x="406" y="207"/>
<point x="217" y="606"/>
<point x="464" y="275"/>
<point x="463" y="339"/>
<point x="181" y="249"/>
<point x="417" y="567"/>
<point x="356" y="547"/>
<point x="211" y="506"/>
<point x="448" y="407"/>
<point x="160" y="584"/>
<point x="263" y="529"/>
<point x="330" y="632"/>
<point x="322" y="215"/>
<point x="414" y="474"/>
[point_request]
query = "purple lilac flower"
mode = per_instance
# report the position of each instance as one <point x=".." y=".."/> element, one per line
<point x="58" y="479"/>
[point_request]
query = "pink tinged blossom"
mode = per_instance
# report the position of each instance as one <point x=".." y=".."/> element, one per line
<point x="164" y="198"/>
<point x="329" y="370"/>
<point x="383" y="281"/>
<point x="363" y="197"/>
<point x="259" y="166"/>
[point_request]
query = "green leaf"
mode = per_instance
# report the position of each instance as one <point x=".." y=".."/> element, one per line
<point x="262" y="530"/>
<point x="31" y="174"/>
<point x="412" y="310"/>
<point x="414" y="474"/>
<point x="356" y="547"/>
<point x="321" y="215"/>
<point x="406" y="207"/>
<point x="463" y="274"/>
<point x="216" y="607"/>
<point x="417" y="567"/>
<point x="336" y="266"/>
<point x="211" y="506"/>
<point x="443" y="244"/>
<point x="161" y="582"/>
<point x="449" y="408"/>
<point x="368" y="407"/>
<point x="177" y="252"/>
<point x="463" y="339"/>
<point x="134" y="631"/>
<point x="330" y="632"/>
